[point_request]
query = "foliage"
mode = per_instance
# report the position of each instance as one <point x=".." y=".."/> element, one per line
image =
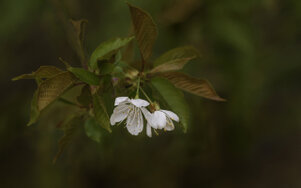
<point x="106" y="74"/>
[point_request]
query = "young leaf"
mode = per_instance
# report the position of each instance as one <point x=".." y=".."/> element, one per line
<point x="79" y="27"/>
<point x="145" y="30"/>
<point x="177" y="53"/>
<point x="100" y="113"/>
<point x="128" y="53"/>
<point x="174" y="98"/>
<point x="106" y="49"/>
<point x="69" y="126"/>
<point x="34" y="111"/>
<point x="172" y="65"/>
<point x="79" y="32"/>
<point x="192" y="85"/>
<point x="42" y="72"/>
<point x="52" y="88"/>
<point x="93" y="130"/>
<point x="85" y="98"/>
<point x="85" y="76"/>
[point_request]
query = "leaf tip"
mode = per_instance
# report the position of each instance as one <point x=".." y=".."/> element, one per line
<point x="222" y="100"/>
<point x="81" y="20"/>
<point x="31" y="121"/>
<point x="218" y="99"/>
<point x="128" y="3"/>
<point x="64" y="62"/>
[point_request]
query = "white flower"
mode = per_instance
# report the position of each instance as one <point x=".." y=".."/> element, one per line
<point x="129" y="109"/>
<point x="159" y="119"/>
<point x="132" y="110"/>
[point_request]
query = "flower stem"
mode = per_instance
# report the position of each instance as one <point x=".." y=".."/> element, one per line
<point x="138" y="87"/>
<point x="146" y="96"/>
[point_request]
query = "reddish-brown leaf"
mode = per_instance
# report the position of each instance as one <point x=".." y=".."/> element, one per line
<point x="192" y="85"/>
<point x="172" y="65"/>
<point x="177" y="53"/>
<point x="145" y="30"/>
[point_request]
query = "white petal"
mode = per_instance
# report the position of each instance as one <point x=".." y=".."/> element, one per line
<point x="169" y="125"/>
<point x="130" y="120"/>
<point x="148" y="130"/>
<point x="140" y="123"/>
<point x="135" y="122"/>
<point x="172" y="115"/>
<point x="119" y="100"/>
<point x="119" y="114"/>
<point x="139" y="102"/>
<point x="159" y="119"/>
<point x="149" y="117"/>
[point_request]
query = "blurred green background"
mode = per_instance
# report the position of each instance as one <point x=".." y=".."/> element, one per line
<point x="251" y="53"/>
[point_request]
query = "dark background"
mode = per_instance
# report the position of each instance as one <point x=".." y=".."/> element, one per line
<point x="250" y="53"/>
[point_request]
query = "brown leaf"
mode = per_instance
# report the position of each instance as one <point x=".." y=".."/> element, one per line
<point x="52" y="88"/>
<point x="172" y="65"/>
<point x="128" y="53"/>
<point x="145" y="30"/>
<point x="70" y="127"/>
<point x="177" y="53"/>
<point x="192" y="85"/>
<point x="42" y="72"/>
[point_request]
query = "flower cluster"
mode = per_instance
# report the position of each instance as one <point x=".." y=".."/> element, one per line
<point x="133" y="110"/>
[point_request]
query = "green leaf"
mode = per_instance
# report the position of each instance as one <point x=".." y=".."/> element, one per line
<point x="85" y="98"/>
<point x="145" y="30"/>
<point x="172" y="65"/>
<point x="106" y="68"/>
<point x="118" y="57"/>
<point x="69" y="127"/>
<point x="41" y="73"/>
<point x="192" y="85"/>
<point x="106" y="49"/>
<point x="106" y="85"/>
<point x="100" y="113"/>
<point x="93" y="130"/>
<point x="50" y="89"/>
<point x="85" y="76"/>
<point x="174" y="98"/>
<point x="34" y="111"/>
<point x="177" y="53"/>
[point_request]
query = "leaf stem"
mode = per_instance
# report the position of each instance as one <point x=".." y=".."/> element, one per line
<point x="69" y="102"/>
